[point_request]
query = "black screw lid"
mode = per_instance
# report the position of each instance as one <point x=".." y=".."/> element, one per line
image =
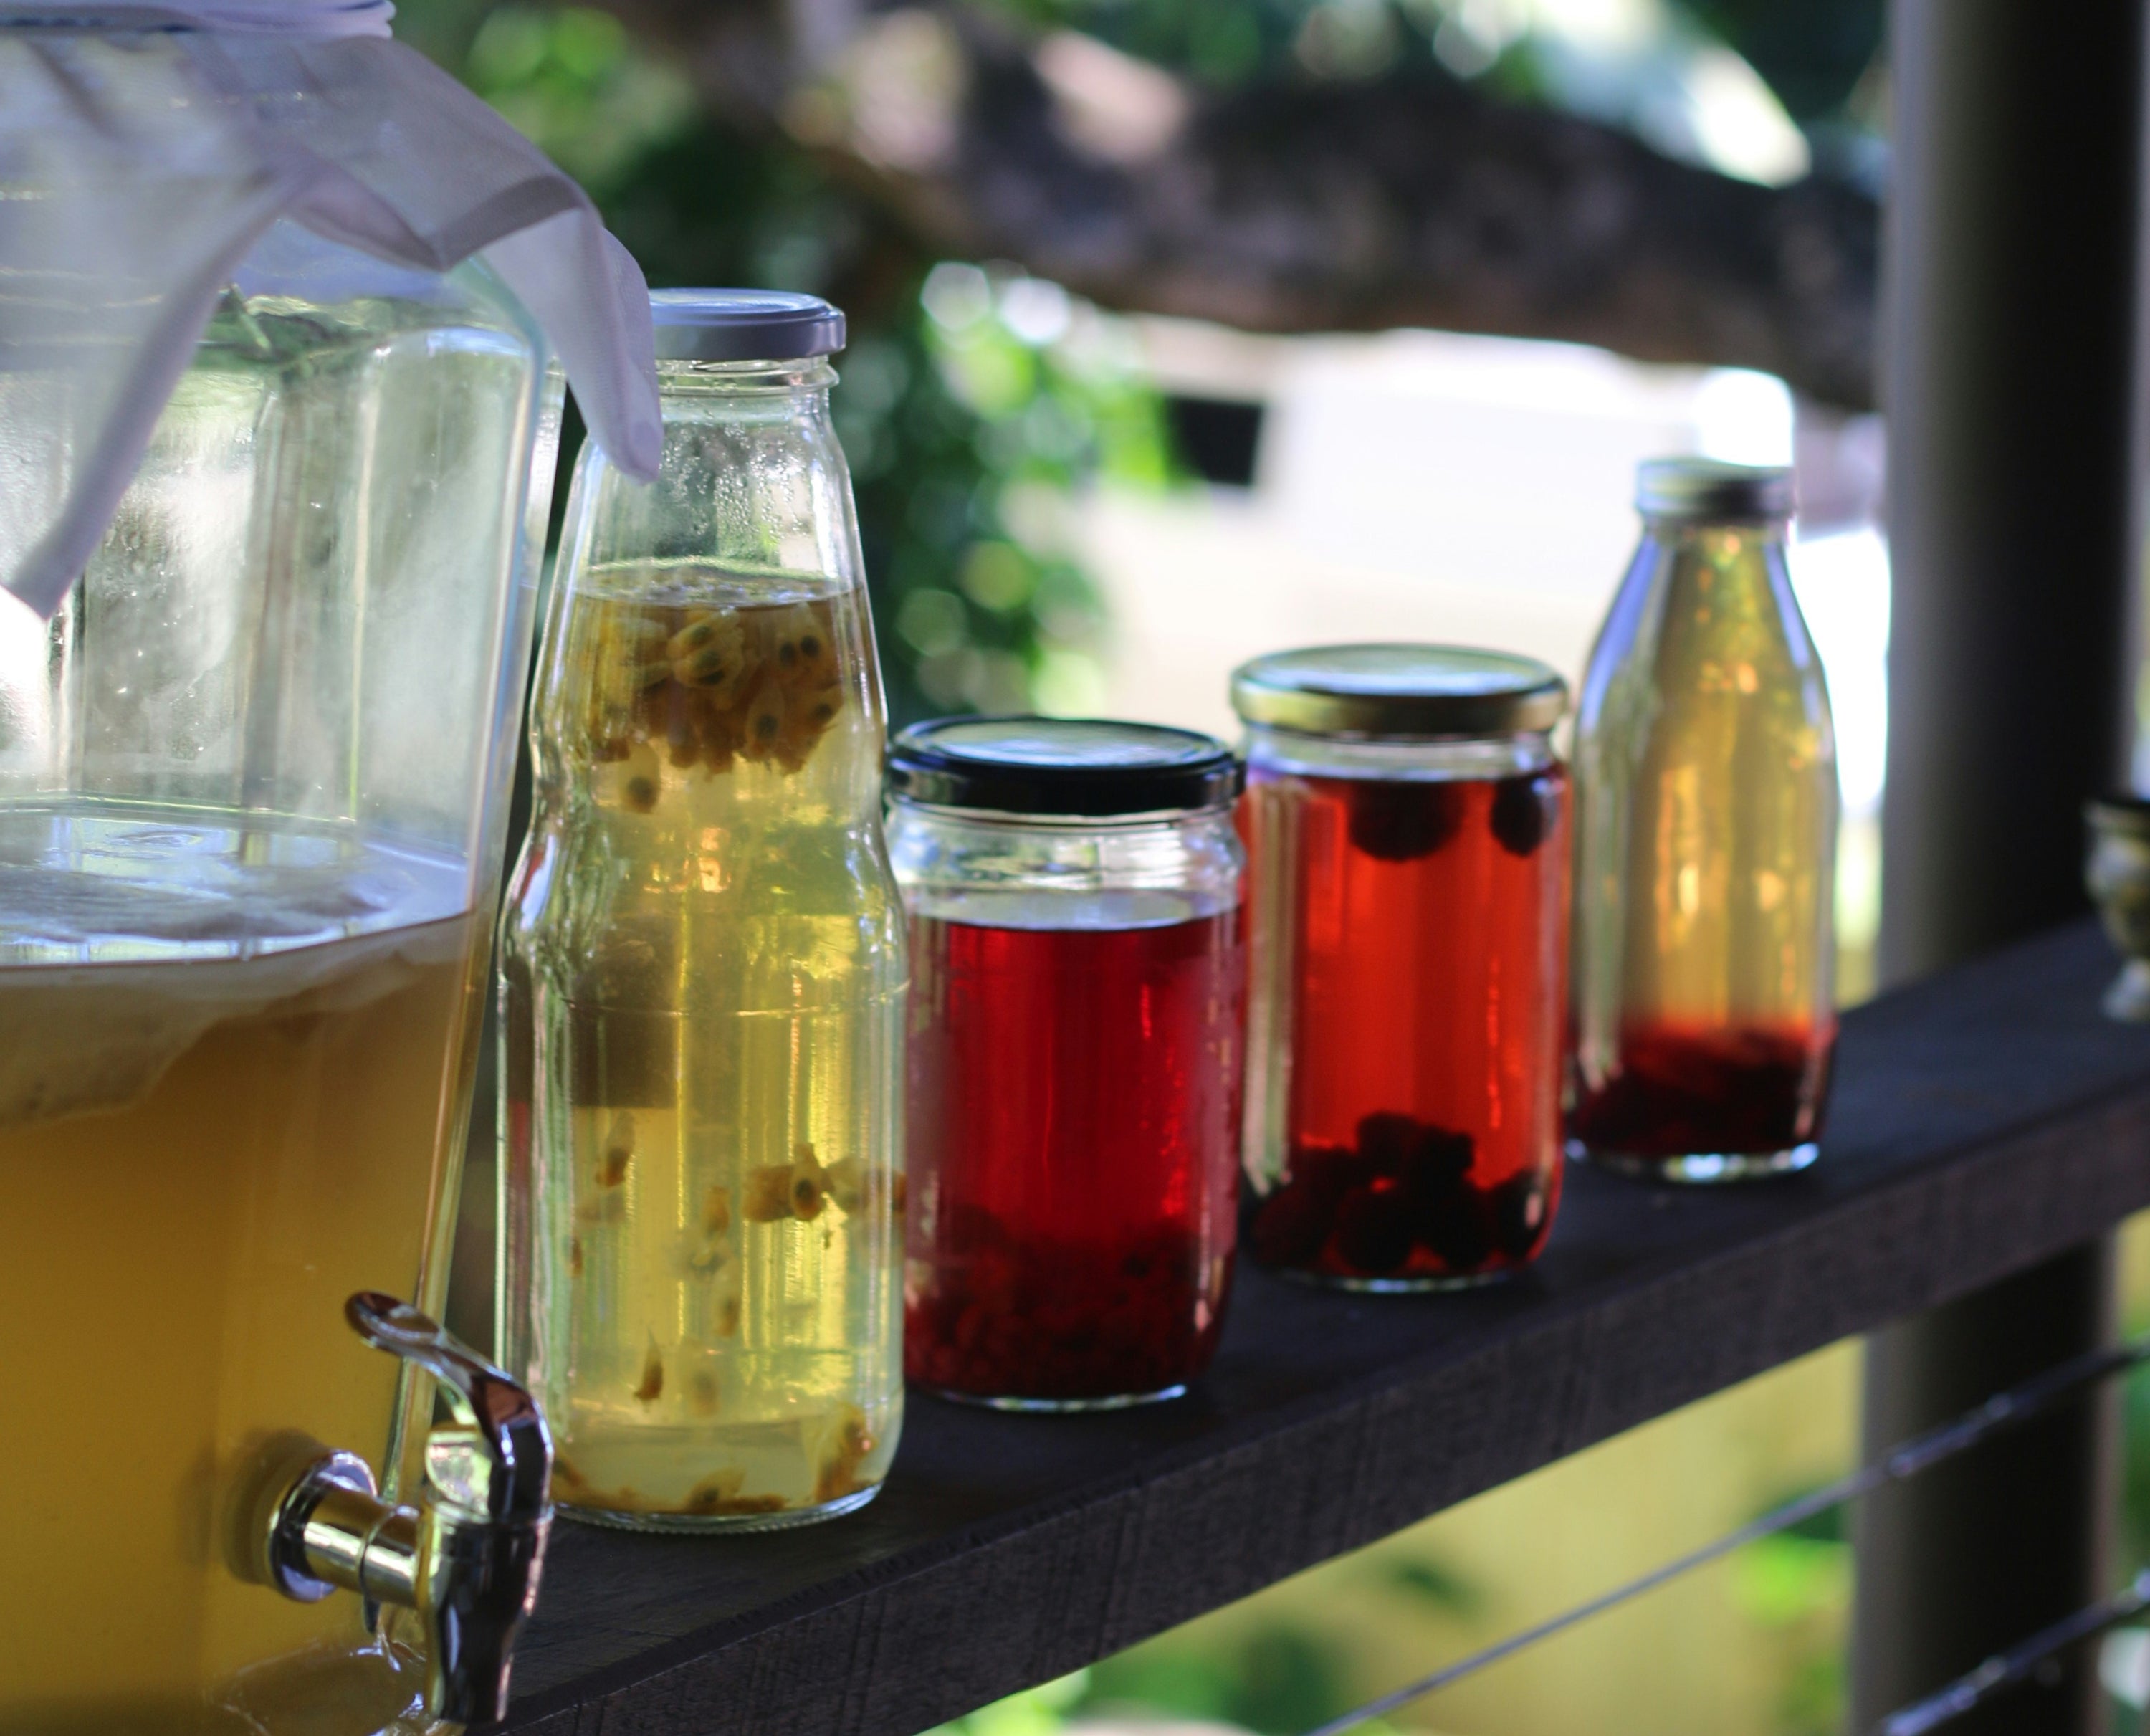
<point x="1060" y="767"/>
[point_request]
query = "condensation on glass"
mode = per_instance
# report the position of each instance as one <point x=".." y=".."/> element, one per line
<point x="703" y="967"/>
<point x="1706" y="805"/>
<point x="1406" y="818"/>
<point x="1075" y="1033"/>
<point x="251" y="792"/>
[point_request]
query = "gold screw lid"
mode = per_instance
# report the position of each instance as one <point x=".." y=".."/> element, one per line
<point x="1404" y="690"/>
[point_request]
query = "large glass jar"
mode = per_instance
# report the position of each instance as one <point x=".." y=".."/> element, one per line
<point x="1407" y="821"/>
<point x="1076" y="1032"/>
<point x="251" y="801"/>
<point x="1706" y="803"/>
<point x="703" y="966"/>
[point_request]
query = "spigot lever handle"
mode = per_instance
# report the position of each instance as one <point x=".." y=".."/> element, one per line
<point x="510" y="1477"/>
<point x="481" y="1528"/>
<point x="467" y="1558"/>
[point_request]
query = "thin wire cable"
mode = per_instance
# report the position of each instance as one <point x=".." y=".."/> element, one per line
<point x="2011" y="1666"/>
<point x="2004" y="1409"/>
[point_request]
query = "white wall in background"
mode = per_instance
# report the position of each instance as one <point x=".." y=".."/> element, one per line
<point x="1472" y="490"/>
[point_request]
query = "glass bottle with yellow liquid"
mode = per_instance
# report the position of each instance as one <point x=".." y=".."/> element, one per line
<point x="1705" y="827"/>
<point x="703" y="966"/>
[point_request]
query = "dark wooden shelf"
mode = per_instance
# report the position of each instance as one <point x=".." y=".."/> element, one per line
<point x="1981" y="1121"/>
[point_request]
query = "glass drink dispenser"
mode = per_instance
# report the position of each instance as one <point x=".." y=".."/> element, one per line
<point x="251" y="781"/>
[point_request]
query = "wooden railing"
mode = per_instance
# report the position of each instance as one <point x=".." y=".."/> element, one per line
<point x="1982" y="1121"/>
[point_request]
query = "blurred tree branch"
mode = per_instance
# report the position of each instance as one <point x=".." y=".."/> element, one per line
<point x="1294" y="204"/>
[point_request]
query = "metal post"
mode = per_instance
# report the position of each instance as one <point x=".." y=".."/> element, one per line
<point x="1967" y="1559"/>
<point x="2010" y="269"/>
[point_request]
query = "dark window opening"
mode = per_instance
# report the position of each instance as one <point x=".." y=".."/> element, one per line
<point x="1218" y="438"/>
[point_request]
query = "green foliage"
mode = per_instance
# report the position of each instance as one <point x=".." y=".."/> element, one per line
<point x="1785" y="1580"/>
<point x="1798" y="1585"/>
<point x="1219" y="43"/>
<point x="2135" y="1466"/>
<point x="1055" y="398"/>
<point x="1431" y="1583"/>
<point x="1814" y="1696"/>
<point x="1036" y="1712"/>
<point x="1811" y="53"/>
<point x="1831" y="1525"/>
<point x="571" y="81"/>
<point x="1167" y="1681"/>
<point x="968" y="430"/>
<point x="1289" y="1682"/>
<point x="1278" y="1680"/>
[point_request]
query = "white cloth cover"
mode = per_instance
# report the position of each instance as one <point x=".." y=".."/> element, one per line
<point x="145" y="147"/>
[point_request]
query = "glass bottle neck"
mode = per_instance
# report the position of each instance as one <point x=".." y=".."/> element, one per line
<point x="1668" y="527"/>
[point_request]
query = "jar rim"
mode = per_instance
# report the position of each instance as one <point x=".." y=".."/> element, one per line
<point x="1150" y="820"/>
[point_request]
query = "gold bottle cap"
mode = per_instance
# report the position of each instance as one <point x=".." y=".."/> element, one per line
<point x="1707" y="488"/>
<point x="1402" y="690"/>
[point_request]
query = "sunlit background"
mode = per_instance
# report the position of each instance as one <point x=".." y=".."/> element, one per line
<point x="1085" y="513"/>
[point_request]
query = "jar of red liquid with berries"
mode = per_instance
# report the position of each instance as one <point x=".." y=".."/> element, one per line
<point x="1706" y="807"/>
<point x="1407" y="824"/>
<point x="1075" y="1041"/>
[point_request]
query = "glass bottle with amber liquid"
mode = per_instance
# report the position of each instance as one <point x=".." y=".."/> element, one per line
<point x="703" y="966"/>
<point x="1705" y="833"/>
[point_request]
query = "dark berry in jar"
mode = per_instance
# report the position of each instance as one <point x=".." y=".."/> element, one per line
<point x="1388" y="1142"/>
<point x="1289" y="1227"/>
<point x="1330" y="1169"/>
<point x="1399" y="821"/>
<point x="1455" y="1231"/>
<point x="1441" y="1159"/>
<point x="1518" y="1208"/>
<point x="1436" y="1187"/>
<point x="1372" y="1234"/>
<point x="1525" y="809"/>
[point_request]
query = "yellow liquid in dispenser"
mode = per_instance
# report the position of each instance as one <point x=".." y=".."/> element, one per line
<point x="703" y="977"/>
<point x="202" y="1154"/>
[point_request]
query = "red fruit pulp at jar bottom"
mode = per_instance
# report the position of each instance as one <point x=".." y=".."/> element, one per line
<point x="1430" y="971"/>
<point x="1682" y="1089"/>
<point x="1074" y="1122"/>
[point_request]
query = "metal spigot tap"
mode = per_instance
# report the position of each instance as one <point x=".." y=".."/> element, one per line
<point x="467" y="1558"/>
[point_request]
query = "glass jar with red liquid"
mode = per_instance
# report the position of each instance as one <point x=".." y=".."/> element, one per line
<point x="1406" y="821"/>
<point x="1706" y="808"/>
<point x="1075" y="1043"/>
